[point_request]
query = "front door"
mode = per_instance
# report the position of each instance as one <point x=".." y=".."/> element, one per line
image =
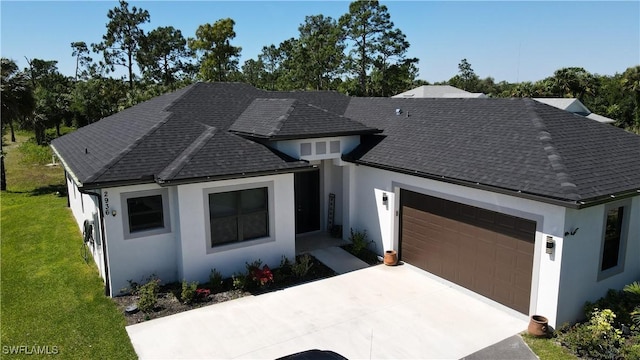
<point x="307" y="199"/>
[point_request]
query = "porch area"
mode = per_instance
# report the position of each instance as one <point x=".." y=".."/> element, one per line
<point x="317" y="241"/>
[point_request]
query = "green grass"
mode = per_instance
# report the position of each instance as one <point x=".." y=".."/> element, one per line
<point x="547" y="349"/>
<point x="49" y="296"/>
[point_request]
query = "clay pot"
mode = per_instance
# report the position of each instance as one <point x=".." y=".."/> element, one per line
<point x="538" y="326"/>
<point x="390" y="257"/>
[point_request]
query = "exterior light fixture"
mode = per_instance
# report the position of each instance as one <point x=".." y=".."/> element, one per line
<point x="550" y="245"/>
<point x="385" y="198"/>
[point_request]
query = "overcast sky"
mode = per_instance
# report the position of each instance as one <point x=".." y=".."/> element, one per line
<point x="508" y="40"/>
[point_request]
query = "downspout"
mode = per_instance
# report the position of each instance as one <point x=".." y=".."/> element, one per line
<point x="107" y="287"/>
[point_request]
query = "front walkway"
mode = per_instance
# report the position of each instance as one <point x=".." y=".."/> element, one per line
<point x="380" y="312"/>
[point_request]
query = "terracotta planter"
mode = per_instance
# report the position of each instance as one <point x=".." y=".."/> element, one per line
<point x="538" y="326"/>
<point x="390" y="257"/>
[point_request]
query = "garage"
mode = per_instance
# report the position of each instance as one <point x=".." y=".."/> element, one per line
<point x="487" y="252"/>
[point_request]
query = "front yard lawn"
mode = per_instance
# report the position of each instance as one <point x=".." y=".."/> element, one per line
<point x="51" y="300"/>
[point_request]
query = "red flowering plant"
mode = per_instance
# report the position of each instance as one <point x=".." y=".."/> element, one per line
<point x="202" y="293"/>
<point x="262" y="276"/>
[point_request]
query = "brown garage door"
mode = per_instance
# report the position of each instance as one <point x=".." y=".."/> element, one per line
<point x="485" y="251"/>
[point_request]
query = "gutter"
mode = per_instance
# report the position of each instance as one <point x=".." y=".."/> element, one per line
<point x="578" y="204"/>
<point x="107" y="278"/>
<point x="201" y="179"/>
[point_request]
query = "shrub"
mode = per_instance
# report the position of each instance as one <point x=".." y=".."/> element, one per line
<point x="202" y="294"/>
<point x="633" y="290"/>
<point x="188" y="293"/>
<point x="359" y="241"/>
<point x="302" y="266"/>
<point x="148" y="295"/>
<point x="596" y="339"/>
<point x="284" y="271"/>
<point x="622" y="303"/>
<point x="215" y="281"/>
<point x="239" y="281"/>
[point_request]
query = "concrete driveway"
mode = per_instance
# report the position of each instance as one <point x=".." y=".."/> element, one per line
<point x="379" y="312"/>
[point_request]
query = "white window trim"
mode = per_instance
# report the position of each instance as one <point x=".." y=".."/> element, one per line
<point x="624" y="234"/>
<point x="241" y="244"/>
<point x="165" y="213"/>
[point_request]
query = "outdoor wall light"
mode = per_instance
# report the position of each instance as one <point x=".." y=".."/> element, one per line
<point x="550" y="245"/>
<point x="113" y="212"/>
<point x="385" y="198"/>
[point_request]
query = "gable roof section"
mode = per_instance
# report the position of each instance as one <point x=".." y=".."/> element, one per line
<point x="438" y="91"/>
<point x="278" y="119"/>
<point x="516" y="146"/>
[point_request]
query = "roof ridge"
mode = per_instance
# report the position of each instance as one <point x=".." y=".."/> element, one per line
<point x="283" y="118"/>
<point x="554" y="157"/>
<point x="129" y="148"/>
<point x="187" y="154"/>
<point x="152" y="130"/>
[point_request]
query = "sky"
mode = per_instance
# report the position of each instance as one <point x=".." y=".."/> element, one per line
<point x="508" y="40"/>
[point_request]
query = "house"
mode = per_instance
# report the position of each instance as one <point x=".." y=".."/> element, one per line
<point x="438" y="91"/>
<point x="574" y="106"/>
<point x="521" y="202"/>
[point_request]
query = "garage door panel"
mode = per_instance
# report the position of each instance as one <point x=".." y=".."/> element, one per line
<point x="487" y="252"/>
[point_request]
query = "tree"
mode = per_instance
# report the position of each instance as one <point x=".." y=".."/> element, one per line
<point x="364" y="25"/>
<point x="630" y="82"/>
<point x="162" y="55"/>
<point x="572" y="82"/>
<point x="218" y="58"/>
<point x="83" y="60"/>
<point x="121" y="43"/>
<point x="320" y="50"/>
<point x="17" y="94"/>
<point x="253" y="72"/>
<point x="395" y="72"/>
<point x="466" y="79"/>
<point x="271" y="57"/>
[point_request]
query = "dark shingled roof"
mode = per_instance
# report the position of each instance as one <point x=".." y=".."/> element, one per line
<point x="292" y="119"/>
<point x="514" y="145"/>
<point x="184" y="135"/>
<point x="517" y="146"/>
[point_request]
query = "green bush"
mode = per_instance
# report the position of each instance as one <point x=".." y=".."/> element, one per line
<point x="622" y="303"/>
<point x="302" y="266"/>
<point x="188" y="293"/>
<point x="239" y="281"/>
<point x="283" y="272"/>
<point x="35" y="154"/>
<point x="596" y="339"/>
<point x="359" y="241"/>
<point x="215" y="281"/>
<point x="633" y="291"/>
<point x="148" y="295"/>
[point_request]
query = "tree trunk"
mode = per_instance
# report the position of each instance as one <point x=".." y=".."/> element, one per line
<point x="3" y="180"/>
<point x="58" y="129"/>
<point x="13" y="133"/>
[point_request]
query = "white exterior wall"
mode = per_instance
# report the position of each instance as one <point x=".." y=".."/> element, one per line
<point x="138" y="258"/>
<point x="195" y="258"/>
<point x="85" y="207"/>
<point x="367" y="212"/>
<point x="292" y="147"/>
<point x="581" y="259"/>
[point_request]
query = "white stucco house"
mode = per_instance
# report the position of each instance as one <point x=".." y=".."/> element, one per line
<point x="574" y="106"/>
<point x="523" y="203"/>
<point x="438" y="91"/>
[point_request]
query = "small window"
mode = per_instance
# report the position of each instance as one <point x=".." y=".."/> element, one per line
<point x="334" y="147"/>
<point x="145" y="213"/>
<point x="305" y="149"/>
<point x="238" y="216"/>
<point x="321" y="147"/>
<point x="612" y="238"/>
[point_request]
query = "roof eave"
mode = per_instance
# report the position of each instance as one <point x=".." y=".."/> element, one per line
<point x="572" y="204"/>
<point x="243" y="175"/>
<point x="322" y="135"/>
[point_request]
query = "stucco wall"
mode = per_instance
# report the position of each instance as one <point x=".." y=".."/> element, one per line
<point x="581" y="259"/>
<point x="195" y="257"/>
<point x="85" y="207"/>
<point x="138" y="258"/>
<point x="368" y="212"/>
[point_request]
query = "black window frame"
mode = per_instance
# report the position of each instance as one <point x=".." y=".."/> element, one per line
<point x="158" y="227"/>
<point x="614" y="239"/>
<point x="240" y="215"/>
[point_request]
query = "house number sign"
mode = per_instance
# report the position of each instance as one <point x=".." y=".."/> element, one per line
<point x="105" y="196"/>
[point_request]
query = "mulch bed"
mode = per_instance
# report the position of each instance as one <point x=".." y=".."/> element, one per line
<point x="169" y="295"/>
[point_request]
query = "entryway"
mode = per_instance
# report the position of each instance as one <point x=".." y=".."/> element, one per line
<point x="307" y="201"/>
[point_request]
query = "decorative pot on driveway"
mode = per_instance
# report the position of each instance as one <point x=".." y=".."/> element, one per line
<point x="538" y="326"/>
<point x="390" y="257"/>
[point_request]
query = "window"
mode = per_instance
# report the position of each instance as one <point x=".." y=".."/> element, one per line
<point x="237" y="216"/>
<point x="614" y="239"/>
<point x="305" y="149"/>
<point x="321" y="148"/>
<point x="334" y="147"/>
<point x="612" y="233"/>
<point x="145" y="213"/>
